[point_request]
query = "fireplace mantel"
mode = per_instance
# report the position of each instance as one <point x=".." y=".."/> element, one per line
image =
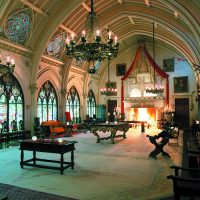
<point x="144" y="102"/>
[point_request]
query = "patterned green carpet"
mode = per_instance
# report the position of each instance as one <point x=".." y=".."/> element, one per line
<point x="105" y="171"/>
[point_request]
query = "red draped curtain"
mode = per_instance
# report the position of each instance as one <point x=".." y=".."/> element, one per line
<point x="154" y="65"/>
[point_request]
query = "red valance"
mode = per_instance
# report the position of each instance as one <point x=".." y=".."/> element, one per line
<point x="137" y="56"/>
<point x="154" y="66"/>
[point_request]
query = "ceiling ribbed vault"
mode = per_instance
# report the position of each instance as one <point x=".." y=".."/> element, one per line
<point x="177" y="22"/>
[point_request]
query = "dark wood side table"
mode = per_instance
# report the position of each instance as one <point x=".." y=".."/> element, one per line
<point x="48" y="146"/>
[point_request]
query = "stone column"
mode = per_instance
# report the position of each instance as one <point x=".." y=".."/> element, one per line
<point x="62" y="106"/>
<point x="33" y="108"/>
<point x="84" y="112"/>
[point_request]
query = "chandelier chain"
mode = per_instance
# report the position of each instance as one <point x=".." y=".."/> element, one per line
<point x="91" y="48"/>
<point x="155" y="89"/>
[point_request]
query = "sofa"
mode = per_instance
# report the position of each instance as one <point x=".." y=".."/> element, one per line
<point x="53" y="128"/>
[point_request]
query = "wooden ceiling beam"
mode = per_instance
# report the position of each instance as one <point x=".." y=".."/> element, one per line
<point x="131" y="20"/>
<point x="35" y="8"/>
<point x="120" y="1"/>
<point x="67" y="29"/>
<point x="86" y="7"/>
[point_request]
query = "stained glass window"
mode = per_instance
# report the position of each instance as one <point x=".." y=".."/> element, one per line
<point x="73" y="105"/>
<point x="17" y="27"/>
<point x="11" y="100"/>
<point x="91" y="104"/>
<point x="47" y="103"/>
<point x="56" y="46"/>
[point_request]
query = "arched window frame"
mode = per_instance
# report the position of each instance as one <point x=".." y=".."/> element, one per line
<point x="11" y="100"/>
<point x="91" y="104"/>
<point x="47" y="102"/>
<point x="73" y="104"/>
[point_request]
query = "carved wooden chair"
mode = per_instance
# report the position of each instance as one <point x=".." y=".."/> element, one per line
<point x="5" y="127"/>
<point x="13" y="126"/>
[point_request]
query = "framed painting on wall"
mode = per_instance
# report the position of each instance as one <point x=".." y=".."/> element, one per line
<point x="181" y="84"/>
<point x="120" y="69"/>
<point x="168" y="65"/>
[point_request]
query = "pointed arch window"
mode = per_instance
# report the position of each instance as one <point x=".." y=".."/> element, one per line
<point x="11" y="100"/>
<point x="91" y="104"/>
<point x="73" y="104"/>
<point x="47" y="103"/>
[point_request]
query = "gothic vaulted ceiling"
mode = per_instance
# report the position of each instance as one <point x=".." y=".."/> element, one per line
<point x="177" y="22"/>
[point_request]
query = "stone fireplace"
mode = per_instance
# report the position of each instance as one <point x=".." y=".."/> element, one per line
<point x="144" y="109"/>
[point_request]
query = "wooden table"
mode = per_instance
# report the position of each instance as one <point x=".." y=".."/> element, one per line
<point x="48" y="146"/>
<point x="110" y="127"/>
<point x="138" y="122"/>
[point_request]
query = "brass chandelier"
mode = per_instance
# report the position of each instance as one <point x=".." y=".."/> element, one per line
<point x="154" y="89"/>
<point x="8" y="67"/>
<point x="109" y="90"/>
<point x="91" y="48"/>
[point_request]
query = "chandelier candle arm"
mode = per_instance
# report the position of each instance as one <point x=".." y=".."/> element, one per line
<point x="109" y="90"/>
<point x="8" y="67"/>
<point x="155" y="90"/>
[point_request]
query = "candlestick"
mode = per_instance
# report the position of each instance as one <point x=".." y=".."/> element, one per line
<point x="83" y="33"/>
<point x="67" y="41"/>
<point x="72" y="36"/>
<point x="109" y="35"/>
<point x="115" y="39"/>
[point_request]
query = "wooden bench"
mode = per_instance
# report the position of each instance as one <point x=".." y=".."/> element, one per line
<point x="185" y="184"/>
<point x="193" y="150"/>
<point x="7" y="137"/>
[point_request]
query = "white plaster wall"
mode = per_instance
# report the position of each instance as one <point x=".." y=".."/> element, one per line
<point x="183" y="68"/>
